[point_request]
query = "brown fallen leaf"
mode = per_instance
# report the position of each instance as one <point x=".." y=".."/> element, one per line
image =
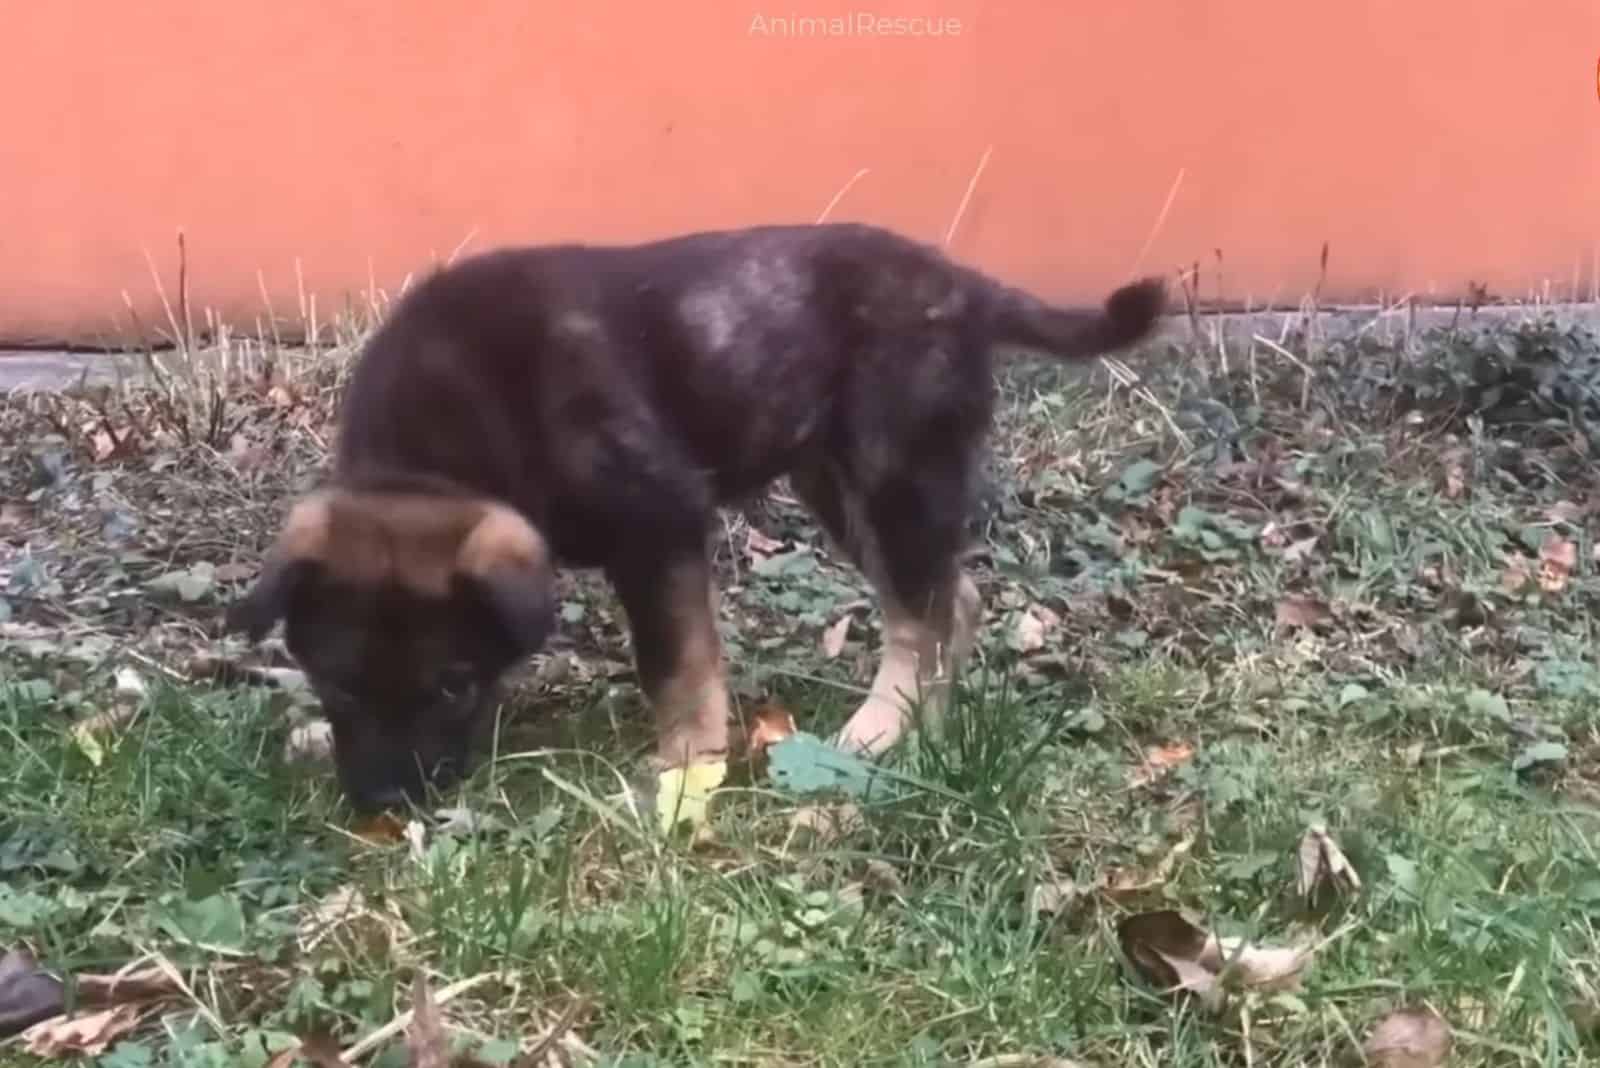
<point x="769" y="725"/>
<point x="1323" y="863"/>
<point x="758" y="546"/>
<point x="321" y="1050"/>
<point x="83" y="1035"/>
<point x="1300" y="611"/>
<point x="1159" y="760"/>
<point x="1409" y="1038"/>
<point x="883" y="877"/>
<point x="833" y="638"/>
<point x="385" y="828"/>
<point x="825" y="822"/>
<point x="284" y="1058"/>
<point x="1175" y="954"/>
<point x="1557" y="559"/>
<point x="1031" y="628"/>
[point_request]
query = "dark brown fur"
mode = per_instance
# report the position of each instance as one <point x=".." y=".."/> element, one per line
<point x="592" y="406"/>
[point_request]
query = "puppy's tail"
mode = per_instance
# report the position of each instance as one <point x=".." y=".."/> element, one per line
<point x="1128" y="316"/>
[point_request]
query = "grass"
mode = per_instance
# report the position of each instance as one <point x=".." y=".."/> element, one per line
<point x="1354" y="588"/>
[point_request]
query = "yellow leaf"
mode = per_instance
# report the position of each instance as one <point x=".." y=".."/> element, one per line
<point x="88" y="744"/>
<point x="683" y="792"/>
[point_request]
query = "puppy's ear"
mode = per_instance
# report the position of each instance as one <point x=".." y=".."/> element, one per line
<point x="505" y="566"/>
<point x="294" y="559"/>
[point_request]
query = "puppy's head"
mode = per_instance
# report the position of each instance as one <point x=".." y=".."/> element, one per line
<point x="404" y="611"/>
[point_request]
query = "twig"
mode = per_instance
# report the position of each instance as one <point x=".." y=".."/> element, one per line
<point x="402" y="1021"/>
<point x="1161" y="219"/>
<point x="854" y="178"/>
<point x="966" y="198"/>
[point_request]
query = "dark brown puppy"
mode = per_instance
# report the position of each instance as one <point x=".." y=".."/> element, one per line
<point x="591" y="406"/>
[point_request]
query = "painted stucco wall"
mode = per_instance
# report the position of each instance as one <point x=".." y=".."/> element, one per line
<point x="1431" y="144"/>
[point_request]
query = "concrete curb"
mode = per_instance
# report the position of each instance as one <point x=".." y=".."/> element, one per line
<point x="48" y="371"/>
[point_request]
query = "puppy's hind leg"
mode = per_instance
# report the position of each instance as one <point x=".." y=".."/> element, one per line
<point x="906" y="541"/>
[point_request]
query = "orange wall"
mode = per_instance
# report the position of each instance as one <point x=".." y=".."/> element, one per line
<point x="1431" y="143"/>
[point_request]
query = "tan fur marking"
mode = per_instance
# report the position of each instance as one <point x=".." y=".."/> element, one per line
<point x="417" y="540"/>
<point x="691" y="706"/>
<point x="502" y="538"/>
<point x="919" y="663"/>
<point x="306" y="530"/>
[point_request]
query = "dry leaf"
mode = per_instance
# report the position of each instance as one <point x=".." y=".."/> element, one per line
<point x="1031" y="628"/>
<point x="1165" y="949"/>
<point x="1177" y="955"/>
<point x="1054" y="896"/>
<point x="1158" y="761"/>
<point x="86" y="1035"/>
<point x="322" y="1051"/>
<point x="425" y="1038"/>
<point x="759" y="546"/>
<point x="1323" y="863"/>
<point x="1300" y="550"/>
<point x="1299" y="611"/>
<point x="284" y="1058"/>
<point x="826" y="821"/>
<point x="384" y="828"/>
<point x="769" y="725"/>
<point x="1557" y="558"/>
<point x="834" y="637"/>
<point x="86" y="733"/>
<point x="1516" y="576"/>
<point x="1409" y="1038"/>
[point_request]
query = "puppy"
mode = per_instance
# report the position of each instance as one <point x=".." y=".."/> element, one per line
<point x="591" y="407"/>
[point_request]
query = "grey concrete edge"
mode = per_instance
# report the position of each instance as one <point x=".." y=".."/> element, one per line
<point x="42" y="370"/>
